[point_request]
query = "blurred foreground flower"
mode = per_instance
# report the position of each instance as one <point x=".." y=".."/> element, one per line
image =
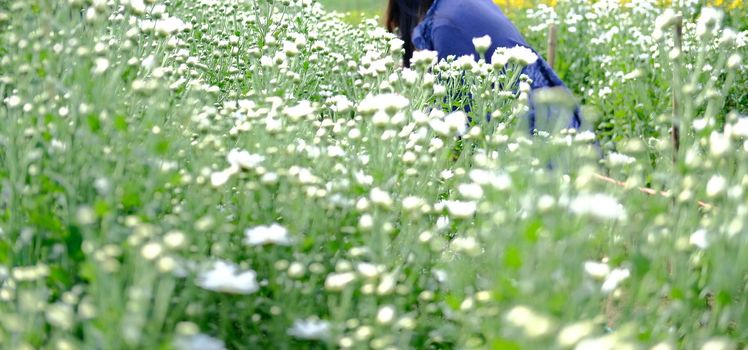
<point x="310" y="329"/>
<point x="261" y="235"/>
<point x="224" y="277"/>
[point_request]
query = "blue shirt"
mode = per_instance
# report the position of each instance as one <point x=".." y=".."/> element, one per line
<point x="450" y="26"/>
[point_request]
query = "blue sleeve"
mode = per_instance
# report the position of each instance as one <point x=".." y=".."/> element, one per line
<point x="450" y="40"/>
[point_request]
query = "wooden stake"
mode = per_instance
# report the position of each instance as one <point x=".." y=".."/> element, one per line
<point x="552" y="44"/>
<point x="675" y="127"/>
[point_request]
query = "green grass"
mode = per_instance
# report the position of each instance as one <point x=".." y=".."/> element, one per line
<point x="356" y="9"/>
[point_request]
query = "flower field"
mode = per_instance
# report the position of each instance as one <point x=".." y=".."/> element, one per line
<point x="260" y="174"/>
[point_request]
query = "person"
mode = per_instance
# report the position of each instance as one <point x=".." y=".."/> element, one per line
<point x="449" y="26"/>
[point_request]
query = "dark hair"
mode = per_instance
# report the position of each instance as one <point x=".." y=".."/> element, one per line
<point x="404" y="15"/>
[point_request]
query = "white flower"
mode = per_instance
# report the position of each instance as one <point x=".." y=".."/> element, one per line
<point x="614" y="278"/>
<point x="718" y="344"/>
<point x="465" y="62"/>
<point x="600" y="205"/>
<point x="338" y="281"/>
<point x="546" y="202"/>
<point x="310" y="329"/>
<point x="225" y="277"/>
<point x="575" y="332"/>
<point x="261" y="235"/>
<point x="596" y="269"/>
<point x="522" y="55"/>
<point x="471" y="191"/>
<point x="533" y="324"/>
<point x="412" y="203"/>
<point x="219" y="178"/>
<point x="100" y="65"/>
<point x="715" y="185"/>
<point x="424" y="58"/>
<point x="367" y="270"/>
<point x="378" y="196"/>
<point x="390" y="103"/>
<point x="719" y="143"/>
<point x="500" y="58"/>
<point x="699" y="239"/>
<point x="708" y="22"/>
<point x="460" y="209"/>
<point x="137" y="6"/>
<point x="303" y="109"/>
<point x="457" y="121"/>
<point x="244" y="159"/>
<point x="618" y="159"/>
<point x="198" y="342"/>
<point x="497" y="180"/>
<point x="740" y="128"/>
<point x="340" y="104"/>
<point x="170" y="25"/>
<point x="467" y="244"/>
<point x="386" y="314"/>
<point x="666" y="19"/>
<point x="482" y="43"/>
<point x="734" y="61"/>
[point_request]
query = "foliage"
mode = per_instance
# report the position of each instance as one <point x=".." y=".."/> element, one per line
<point x="261" y="174"/>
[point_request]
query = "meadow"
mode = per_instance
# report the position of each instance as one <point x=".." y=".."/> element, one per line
<point x="220" y="174"/>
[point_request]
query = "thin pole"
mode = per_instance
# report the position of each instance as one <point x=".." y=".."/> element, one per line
<point x="552" y="44"/>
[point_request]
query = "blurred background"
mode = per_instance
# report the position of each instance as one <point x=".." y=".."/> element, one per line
<point x="356" y="9"/>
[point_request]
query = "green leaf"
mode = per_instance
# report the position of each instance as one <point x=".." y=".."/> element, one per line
<point x="513" y="258"/>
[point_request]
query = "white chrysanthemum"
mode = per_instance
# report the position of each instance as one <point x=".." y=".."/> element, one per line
<point x="457" y="122"/>
<point x="386" y="314"/>
<point x="468" y="244"/>
<point x="261" y="235"/>
<point x="390" y="103"/>
<point x="170" y="25"/>
<point x="719" y="143"/>
<point x="225" y="277"/>
<point x="412" y="203"/>
<point x="482" y="43"/>
<point x="596" y="269"/>
<point x="461" y="209"/>
<point x="715" y="185"/>
<point x="424" y="58"/>
<point x="471" y="191"/>
<point x="599" y="205"/>
<point x="310" y="329"/>
<point x="708" y="22"/>
<point x="740" y="128"/>
<point x="500" y="58"/>
<point x="573" y="333"/>
<point x="243" y="159"/>
<point x="666" y="19"/>
<point x="303" y="109"/>
<point x="381" y="197"/>
<point x="698" y="239"/>
<point x="532" y="323"/>
<point x="338" y="281"/>
<point x="522" y="55"/>
<point x="465" y="62"/>
<point x="718" y="344"/>
<point x="368" y="270"/>
<point x="614" y="278"/>
<point x="618" y="159"/>
<point x="734" y="61"/>
<point x="340" y="104"/>
<point x="220" y="178"/>
<point x="197" y="342"/>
